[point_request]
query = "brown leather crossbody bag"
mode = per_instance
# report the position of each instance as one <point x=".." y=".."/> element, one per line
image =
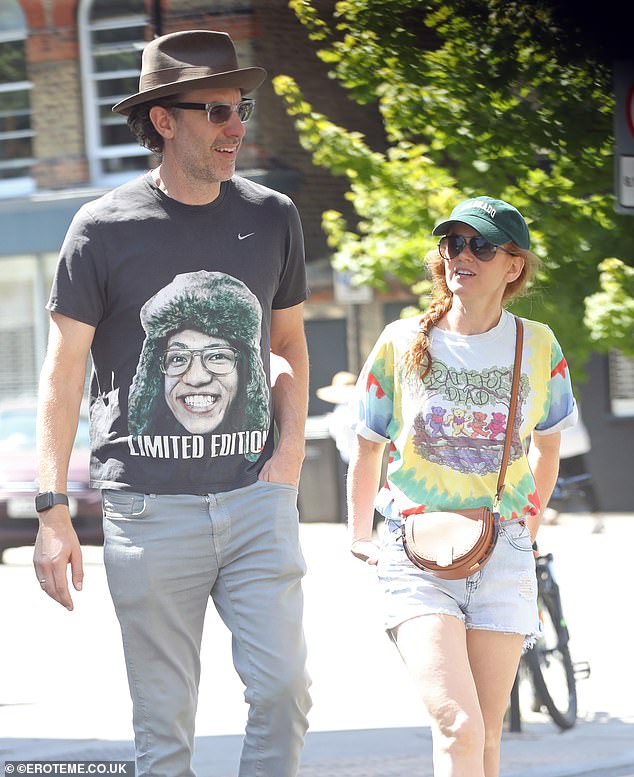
<point x="453" y="544"/>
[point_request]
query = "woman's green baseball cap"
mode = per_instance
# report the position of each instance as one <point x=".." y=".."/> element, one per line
<point x="495" y="220"/>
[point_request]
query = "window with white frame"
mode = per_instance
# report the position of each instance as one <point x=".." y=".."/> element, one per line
<point x="16" y="133"/>
<point x="621" y="383"/>
<point x="20" y="302"/>
<point x="112" y="37"/>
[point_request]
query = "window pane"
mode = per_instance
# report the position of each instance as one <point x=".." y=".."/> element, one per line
<point x="118" y="35"/>
<point x="111" y="88"/>
<point x="12" y="62"/>
<point x="15" y="149"/>
<point x="130" y="163"/>
<point x="23" y="171"/>
<point x="106" y="9"/>
<point x="117" y="60"/>
<point x="15" y="122"/>
<point x="106" y="116"/>
<point x="18" y="101"/>
<point x="116" y="134"/>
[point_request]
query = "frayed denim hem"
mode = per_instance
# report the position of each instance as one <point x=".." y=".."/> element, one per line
<point x="529" y="642"/>
<point x="529" y="639"/>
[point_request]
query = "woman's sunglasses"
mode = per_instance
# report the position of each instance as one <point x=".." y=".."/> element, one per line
<point x="451" y="246"/>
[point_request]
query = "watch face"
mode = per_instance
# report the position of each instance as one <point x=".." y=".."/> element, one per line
<point x="48" y="499"/>
<point x="43" y="501"/>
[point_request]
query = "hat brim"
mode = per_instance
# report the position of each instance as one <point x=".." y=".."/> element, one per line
<point x="336" y="395"/>
<point x="483" y="226"/>
<point x="246" y="79"/>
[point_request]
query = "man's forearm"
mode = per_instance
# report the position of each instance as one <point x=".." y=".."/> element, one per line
<point x="59" y="399"/>
<point x="290" y="394"/>
<point x="57" y="419"/>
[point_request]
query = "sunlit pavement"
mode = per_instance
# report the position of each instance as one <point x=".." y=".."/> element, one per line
<point x="63" y="691"/>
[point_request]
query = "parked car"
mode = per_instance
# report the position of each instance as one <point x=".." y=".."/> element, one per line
<point x="18" y="479"/>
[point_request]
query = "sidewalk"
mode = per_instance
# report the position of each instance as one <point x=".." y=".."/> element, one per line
<point x="597" y="747"/>
<point x="367" y="720"/>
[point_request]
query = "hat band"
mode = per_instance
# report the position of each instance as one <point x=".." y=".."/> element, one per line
<point x="173" y="75"/>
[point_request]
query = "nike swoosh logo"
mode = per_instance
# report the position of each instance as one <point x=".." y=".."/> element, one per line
<point x="244" y="237"/>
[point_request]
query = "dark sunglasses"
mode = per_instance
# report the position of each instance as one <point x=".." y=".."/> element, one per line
<point x="451" y="246"/>
<point x="220" y="113"/>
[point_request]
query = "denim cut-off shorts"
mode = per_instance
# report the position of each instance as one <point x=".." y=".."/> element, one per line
<point x="502" y="596"/>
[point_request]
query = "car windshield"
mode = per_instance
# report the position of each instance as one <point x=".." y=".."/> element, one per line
<point x="17" y="430"/>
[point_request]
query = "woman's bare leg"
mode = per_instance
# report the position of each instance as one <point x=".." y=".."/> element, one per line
<point x="434" y="648"/>
<point x="494" y="658"/>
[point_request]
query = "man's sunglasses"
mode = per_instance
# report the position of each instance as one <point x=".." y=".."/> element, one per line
<point x="451" y="246"/>
<point x="220" y="113"/>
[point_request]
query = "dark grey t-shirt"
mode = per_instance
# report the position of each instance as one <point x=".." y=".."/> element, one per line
<point x="181" y="299"/>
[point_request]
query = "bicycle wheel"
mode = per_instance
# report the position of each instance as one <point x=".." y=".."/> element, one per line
<point x="551" y="668"/>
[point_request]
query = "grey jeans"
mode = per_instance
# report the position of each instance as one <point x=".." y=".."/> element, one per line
<point x="164" y="557"/>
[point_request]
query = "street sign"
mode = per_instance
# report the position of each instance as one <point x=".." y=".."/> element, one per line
<point x="347" y="293"/>
<point x="626" y="182"/>
<point x="624" y="136"/>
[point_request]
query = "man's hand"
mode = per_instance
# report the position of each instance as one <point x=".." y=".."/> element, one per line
<point x="56" y="546"/>
<point x="289" y="375"/>
<point x="283" y="467"/>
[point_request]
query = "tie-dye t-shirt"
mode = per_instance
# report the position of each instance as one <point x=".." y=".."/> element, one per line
<point x="446" y="433"/>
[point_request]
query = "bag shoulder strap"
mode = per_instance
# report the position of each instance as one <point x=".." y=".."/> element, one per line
<point x="517" y="368"/>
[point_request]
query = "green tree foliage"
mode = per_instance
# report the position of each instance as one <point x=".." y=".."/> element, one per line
<point x="476" y="97"/>
<point x="611" y="310"/>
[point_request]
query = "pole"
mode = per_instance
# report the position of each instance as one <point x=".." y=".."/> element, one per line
<point x="157" y="18"/>
<point x="515" y="717"/>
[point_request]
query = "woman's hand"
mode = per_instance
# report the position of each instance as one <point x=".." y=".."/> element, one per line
<point x="364" y="473"/>
<point x="365" y="550"/>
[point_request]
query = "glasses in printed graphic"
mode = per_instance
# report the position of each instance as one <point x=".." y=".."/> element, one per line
<point x="220" y="113"/>
<point x="451" y="246"/>
<point x="216" y="360"/>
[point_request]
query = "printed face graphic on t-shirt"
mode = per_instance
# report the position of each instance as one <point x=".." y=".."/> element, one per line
<point x="201" y="379"/>
<point x="200" y="389"/>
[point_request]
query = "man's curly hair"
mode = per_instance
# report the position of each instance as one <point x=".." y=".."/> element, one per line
<point x="141" y="125"/>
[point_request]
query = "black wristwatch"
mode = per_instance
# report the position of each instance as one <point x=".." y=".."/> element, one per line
<point x="49" y="498"/>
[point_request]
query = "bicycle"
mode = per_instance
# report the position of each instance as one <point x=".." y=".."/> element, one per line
<point x="548" y="665"/>
<point x="574" y="490"/>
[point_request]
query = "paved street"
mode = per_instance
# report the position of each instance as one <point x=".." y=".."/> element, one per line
<point x="63" y="691"/>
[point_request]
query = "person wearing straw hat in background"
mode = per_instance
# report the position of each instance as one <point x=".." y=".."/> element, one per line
<point x="198" y="511"/>
<point x="340" y="422"/>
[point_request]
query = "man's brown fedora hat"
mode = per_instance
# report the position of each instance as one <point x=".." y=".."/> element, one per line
<point x="193" y="59"/>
